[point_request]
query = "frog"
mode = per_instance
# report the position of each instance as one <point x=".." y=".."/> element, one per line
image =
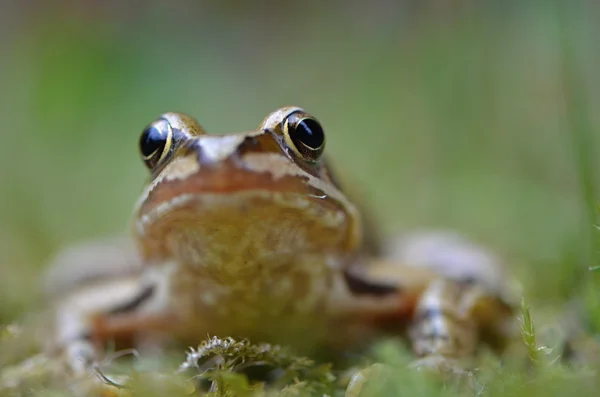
<point x="251" y="235"/>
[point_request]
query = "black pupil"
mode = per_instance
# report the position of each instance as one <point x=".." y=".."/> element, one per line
<point x="151" y="141"/>
<point x="310" y="133"/>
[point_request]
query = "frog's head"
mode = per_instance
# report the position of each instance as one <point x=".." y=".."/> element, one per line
<point x="241" y="200"/>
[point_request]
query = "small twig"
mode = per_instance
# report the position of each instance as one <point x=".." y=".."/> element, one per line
<point x="122" y="353"/>
<point x="96" y="370"/>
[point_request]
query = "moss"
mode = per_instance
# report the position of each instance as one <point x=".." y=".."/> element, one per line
<point x="230" y="367"/>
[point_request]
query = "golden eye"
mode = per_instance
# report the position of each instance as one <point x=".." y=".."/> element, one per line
<point x="304" y="135"/>
<point x="156" y="142"/>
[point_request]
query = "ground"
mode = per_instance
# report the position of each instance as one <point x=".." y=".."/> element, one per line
<point x="480" y="117"/>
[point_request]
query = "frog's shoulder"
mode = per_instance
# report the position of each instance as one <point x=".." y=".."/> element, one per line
<point x="410" y="261"/>
<point x="456" y="257"/>
<point x="90" y="261"/>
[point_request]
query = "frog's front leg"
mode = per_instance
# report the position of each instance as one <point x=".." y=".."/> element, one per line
<point x="444" y="330"/>
<point x="73" y="321"/>
<point x="441" y="317"/>
<point x="451" y="296"/>
<point x="117" y="311"/>
<point x="469" y="300"/>
<point x="102" y="292"/>
<point x="440" y="325"/>
<point x="447" y="323"/>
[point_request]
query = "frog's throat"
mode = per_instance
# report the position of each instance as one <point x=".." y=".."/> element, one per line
<point x="202" y="229"/>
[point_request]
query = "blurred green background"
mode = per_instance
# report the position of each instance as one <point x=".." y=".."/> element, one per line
<point x="482" y="116"/>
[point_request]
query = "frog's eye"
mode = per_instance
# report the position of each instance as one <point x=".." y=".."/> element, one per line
<point x="156" y="142"/>
<point x="304" y="135"/>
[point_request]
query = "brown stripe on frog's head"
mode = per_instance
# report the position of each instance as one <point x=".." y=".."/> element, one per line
<point x="202" y="181"/>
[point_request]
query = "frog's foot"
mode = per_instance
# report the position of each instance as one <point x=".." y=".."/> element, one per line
<point x="80" y="357"/>
<point x="44" y="372"/>
<point x="84" y="374"/>
<point x="122" y="313"/>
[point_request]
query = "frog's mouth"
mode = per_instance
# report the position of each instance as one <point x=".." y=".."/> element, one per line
<point x="218" y="216"/>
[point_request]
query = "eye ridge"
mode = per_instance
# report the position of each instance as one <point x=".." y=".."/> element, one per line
<point x="305" y="136"/>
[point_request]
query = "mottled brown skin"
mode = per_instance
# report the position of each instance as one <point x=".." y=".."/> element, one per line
<point x="248" y="235"/>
